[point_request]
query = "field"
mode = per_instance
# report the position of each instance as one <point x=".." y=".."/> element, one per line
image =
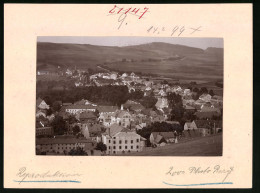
<point x="205" y="146"/>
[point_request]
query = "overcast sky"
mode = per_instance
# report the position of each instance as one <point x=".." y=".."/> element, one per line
<point x="126" y="41"/>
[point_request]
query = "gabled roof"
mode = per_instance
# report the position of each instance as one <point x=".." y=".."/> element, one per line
<point x="188" y="124"/>
<point x="38" y="102"/>
<point x="114" y="129"/>
<point x="125" y="133"/>
<point x="121" y="113"/>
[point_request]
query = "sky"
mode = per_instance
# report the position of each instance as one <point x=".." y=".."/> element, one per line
<point x="202" y="43"/>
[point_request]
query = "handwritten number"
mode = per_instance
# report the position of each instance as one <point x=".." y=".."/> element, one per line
<point x="128" y="10"/>
<point x="121" y="20"/>
<point x="112" y="10"/>
<point x="149" y="29"/>
<point x="181" y="30"/>
<point x="120" y="10"/>
<point x="146" y="9"/>
<point x="174" y="30"/>
<point x="135" y="11"/>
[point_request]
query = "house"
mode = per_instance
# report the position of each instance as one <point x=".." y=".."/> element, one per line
<point x="41" y="104"/>
<point x="63" y="145"/>
<point x="40" y="131"/>
<point x="42" y="72"/>
<point x="140" y="126"/>
<point x="40" y="112"/>
<point x="186" y="92"/>
<point x="105" y="113"/>
<point x="207" y="114"/>
<point x="189" y="109"/>
<point x="68" y="72"/>
<point x="162" y="93"/>
<point x="124" y="75"/>
<point x="74" y="109"/>
<point x="122" y="141"/>
<point x="206" y="127"/>
<point x="162" y="103"/>
<point x="162" y="137"/>
<point x="86" y="117"/>
<point x="121" y="117"/>
<point x="205" y="97"/>
<point x="133" y="106"/>
<point x="216" y="99"/>
<point x="188" y="126"/>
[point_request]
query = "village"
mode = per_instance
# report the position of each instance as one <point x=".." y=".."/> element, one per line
<point x="154" y="114"/>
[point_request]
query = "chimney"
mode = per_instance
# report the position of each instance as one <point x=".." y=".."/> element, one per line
<point x="122" y="107"/>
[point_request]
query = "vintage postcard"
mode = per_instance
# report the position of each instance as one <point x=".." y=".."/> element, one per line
<point x="138" y="96"/>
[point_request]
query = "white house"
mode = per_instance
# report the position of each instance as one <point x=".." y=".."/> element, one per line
<point x="123" y="141"/>
<point x="41" y="104"/>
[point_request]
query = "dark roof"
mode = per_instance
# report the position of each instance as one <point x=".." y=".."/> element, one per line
<point x="71" y="140"/>
<point x="94" y="128"/>
<point x="201" y="123"/>
<point x="80" y="107"/>
<point x="134" y="107"/>
<point x="87" y="115"/>
<point x="208" y="123"/>
<point x="107" y="108"/>
<point x="206" y="114"/>
<point x="165" y="135"/>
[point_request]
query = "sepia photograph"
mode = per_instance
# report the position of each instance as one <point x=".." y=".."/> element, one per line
<point x="129" y="96"/>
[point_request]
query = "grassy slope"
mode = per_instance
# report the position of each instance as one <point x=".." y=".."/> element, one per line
<point x="196" y="63"/>
<point x="206" y="146"/>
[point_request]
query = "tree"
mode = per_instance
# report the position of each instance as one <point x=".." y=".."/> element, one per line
<point x="148" y="101"/>
<point x="77" y="151"/>
<point x="195" y="89"/>
<point x="211" y="93"/>
<point x="56" y="106"/>
<point x="164" y="82"/>
<point x="101" y="146"/>
<point x="59" y="125"/>
<point x="203" y="90"/>
<point x="76" y="129"/>
<point x="177" y="112"/>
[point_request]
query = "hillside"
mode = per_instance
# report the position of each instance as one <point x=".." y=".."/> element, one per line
<point x="159" y="58"/>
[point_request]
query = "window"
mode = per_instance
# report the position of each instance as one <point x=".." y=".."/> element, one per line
<point x="125" y="141"/>
<point x="114" y="142"/>
<point x="108" y="147"/>
<point x="114" y="147"/>
<point x="137" y="140"/>
<point x="114" y="152"/>
<point x="131" y="147"/>
<point x="125" y="147"/>
<point x="120" y="141"/>
<point x="109" y="141"/>
<point x="132" y="141"/>
<point x="119" y="147"/>
<point x="137" y="147"/>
